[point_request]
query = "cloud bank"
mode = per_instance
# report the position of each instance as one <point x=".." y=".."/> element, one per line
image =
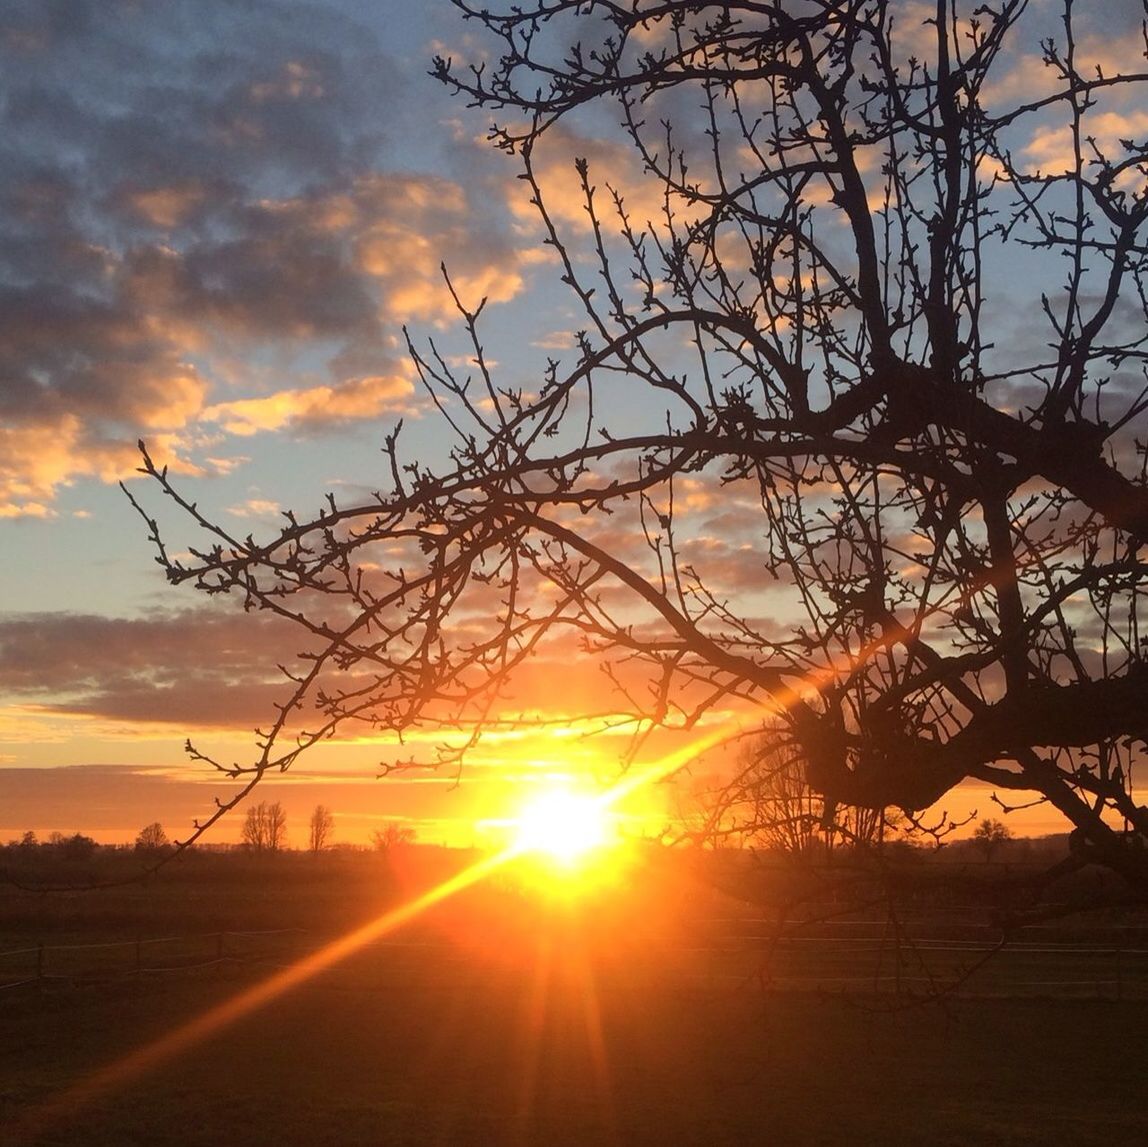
<point x="197" y="199"/>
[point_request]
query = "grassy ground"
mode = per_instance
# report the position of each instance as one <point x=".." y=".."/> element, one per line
<point x="492" y="1022"/>
<point x="546" y="1058"/>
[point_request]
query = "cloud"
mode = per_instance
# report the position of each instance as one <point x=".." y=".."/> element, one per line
<point x="36" y="458"/>
<point x="613" y="166"/>
<point x="189" y="190"/>
<point x="313" y="408"/>
<point x="1050" y="151"/>
<point x="195" y="668"/>
<point x="255" y="508"/>
<point x="411" y="226"/>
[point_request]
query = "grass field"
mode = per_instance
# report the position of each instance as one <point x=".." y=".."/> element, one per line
<point x="547" y="1025"/>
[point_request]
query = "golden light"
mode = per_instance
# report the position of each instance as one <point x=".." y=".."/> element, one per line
<point x="563" y="826"/>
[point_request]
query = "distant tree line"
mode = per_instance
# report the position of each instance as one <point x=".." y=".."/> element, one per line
<point x="264" y="830"/>
<point x="74" y="847"/>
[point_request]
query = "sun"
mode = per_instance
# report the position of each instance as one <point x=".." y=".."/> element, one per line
<point x="563" y="826"/>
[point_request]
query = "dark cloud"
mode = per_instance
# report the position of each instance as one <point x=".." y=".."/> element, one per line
<point x="195" y="668"/>
<point x="188" y="183"/>
<point x="239" y="284"/>
<point x="1112" y="18"/>
<point x="144" y="91"/>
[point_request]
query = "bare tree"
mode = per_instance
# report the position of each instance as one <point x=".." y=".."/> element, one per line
<point x="836" y="280"/>
<point x="78" y="846"/>
<point x="265" y="827"/>
<point x="321" y="826"/>
<point x="989" y="835"/>
<point x="766" y="803"/>
<point x="392" y="835"/>
<point x="152" y="838"/>
<point x="769" y="803"/>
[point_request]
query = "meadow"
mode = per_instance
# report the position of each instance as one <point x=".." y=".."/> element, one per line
<point x="651" y="1010"/>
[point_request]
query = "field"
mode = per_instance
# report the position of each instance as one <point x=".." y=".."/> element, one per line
<point x="501" y="1018"/>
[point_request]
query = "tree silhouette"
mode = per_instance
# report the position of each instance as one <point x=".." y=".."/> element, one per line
<point x="152" y="838"/>
<point x="851" y="438"/>
<point x="74" y="847"/>
<point x="392" y="835"/>
<point x="321" y="826"/>
<point x="265" y="827"/>
<point x="766" y="802"/>
<point x="989" y="835"/>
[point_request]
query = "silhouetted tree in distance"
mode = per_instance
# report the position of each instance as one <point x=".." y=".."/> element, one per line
<point x="152" y="838"/>
<point x="76" y="847"/>
<point x="391" y="836"/>
<point x="321" y="826"/>
<point x="265" y="827"/>
<point x="828" y="287"/>
<point x="989" y="835"/>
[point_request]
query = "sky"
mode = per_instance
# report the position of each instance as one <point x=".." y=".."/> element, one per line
<point x="216" y="220"/>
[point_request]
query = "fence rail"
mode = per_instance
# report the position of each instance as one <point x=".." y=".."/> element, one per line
<point x="726" y="955"/>
<point x="119" y="959"/>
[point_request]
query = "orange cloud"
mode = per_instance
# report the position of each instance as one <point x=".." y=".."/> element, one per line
<point x="1050" y="150"/>
<point x="613" y="164"/>
<point x="167" y="206"/>
<point x="408" y="226"/>
<point x="36" y="460"/>
<point x="38" y="456"/>
<point x="315" y="406"/>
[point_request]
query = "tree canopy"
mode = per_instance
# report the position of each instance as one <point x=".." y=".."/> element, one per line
<point x="849" y="441"/>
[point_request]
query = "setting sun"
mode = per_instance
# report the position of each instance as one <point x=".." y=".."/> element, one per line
<point x="563" y="826"/>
